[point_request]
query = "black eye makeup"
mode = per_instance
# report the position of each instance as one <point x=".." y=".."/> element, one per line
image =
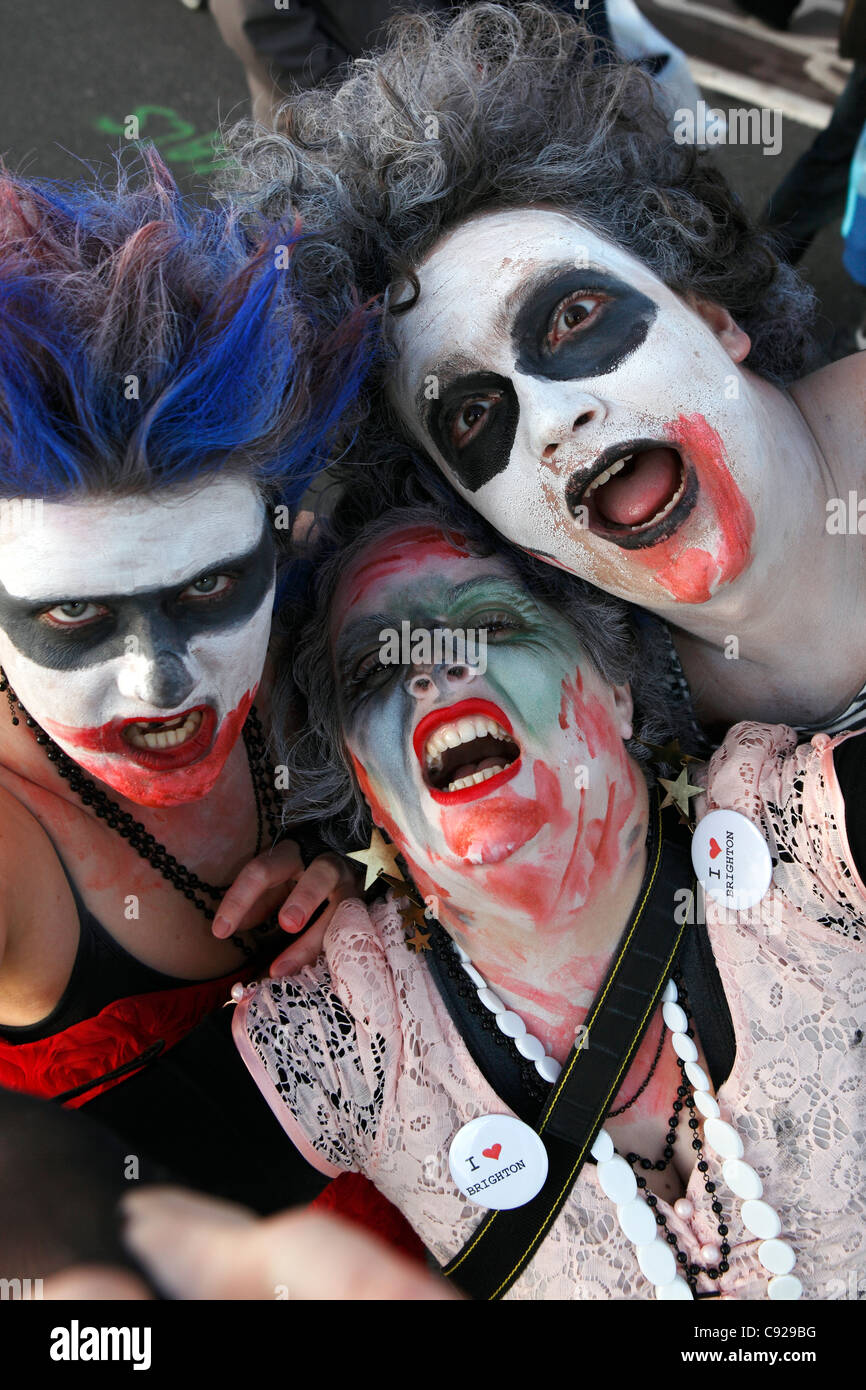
<point x="71" y="633"/>
<point x="581" y="323"/>
<point x="473" y="425"/>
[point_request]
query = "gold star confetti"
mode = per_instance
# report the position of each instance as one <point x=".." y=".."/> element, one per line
<point x="679" y="792"/>
<point x="380" y="858"/>
<point x="412" y="914"/>
<point x="419" y="942"/>
<point x="670" y="752"/>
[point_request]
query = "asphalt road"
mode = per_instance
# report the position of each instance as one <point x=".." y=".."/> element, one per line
<point x="72" y="73"/>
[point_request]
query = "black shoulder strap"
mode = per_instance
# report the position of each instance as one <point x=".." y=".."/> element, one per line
<point x="505" y="1242"/>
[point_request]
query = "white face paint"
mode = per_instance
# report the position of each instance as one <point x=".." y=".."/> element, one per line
<point x="539" y="356"/>
<point x="134" y="630"/>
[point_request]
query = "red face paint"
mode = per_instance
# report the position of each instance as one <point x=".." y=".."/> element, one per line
<point x="404" y="552"/>
<point x="690" y="573"/>
<point x="108" y="739"/>
<point x="378" y="810"/>
<point x="147" y="777"/>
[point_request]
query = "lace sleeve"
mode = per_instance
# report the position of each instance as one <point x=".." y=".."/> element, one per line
<point x="791" y="792"/>
<point x="321" y="1072"/>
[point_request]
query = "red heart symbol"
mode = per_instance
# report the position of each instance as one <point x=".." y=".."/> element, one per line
<point x="494" y="1152"/>
<point x="714" y="849"/>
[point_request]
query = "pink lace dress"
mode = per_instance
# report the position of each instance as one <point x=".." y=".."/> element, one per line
<point x="362" y="1065"/>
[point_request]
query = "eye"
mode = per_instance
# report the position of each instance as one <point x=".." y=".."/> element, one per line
<point x="498" y="623"/>
<point x="570" y="316"/>
<point x="76" y="613"/>
<point x="211" y="586"/>
<point x="369" y="671"/>
<point x="471" y="418"/>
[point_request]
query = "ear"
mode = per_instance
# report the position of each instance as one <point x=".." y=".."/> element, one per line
<point x="736" y="343"/>
<point x="624" y="708"/>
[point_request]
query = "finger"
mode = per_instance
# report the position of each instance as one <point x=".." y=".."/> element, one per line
<point x="255" y="880"/>
<point x="313" y="888"/>
<point x="200" y="1248"/>
<point x="188" y="1243"/>
<point x="311" y="1255"/>
<point x="94" y="1282"/>
<point x="305" y="950"/>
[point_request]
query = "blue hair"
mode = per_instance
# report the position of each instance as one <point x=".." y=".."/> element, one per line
<point x="146" y="341"/>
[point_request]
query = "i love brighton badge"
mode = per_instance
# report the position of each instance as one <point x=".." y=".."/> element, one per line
<point x="731" y="860"/>
<point x="498" y="1162"/>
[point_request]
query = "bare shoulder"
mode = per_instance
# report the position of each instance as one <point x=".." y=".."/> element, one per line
<point x="27" y="861"/>
<point x="832" y="402"/>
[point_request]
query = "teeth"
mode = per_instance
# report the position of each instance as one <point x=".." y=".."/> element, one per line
<point x="475" y="778"/>
<point x="464" y="730"/>
<point x="608" y="473"/>
<point x="660" y="516"/>
<point x="172" y="732"/>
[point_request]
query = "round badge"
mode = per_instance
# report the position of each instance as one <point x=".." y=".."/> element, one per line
<point x="498" y="1162"/>
<point x="731" y="860"/>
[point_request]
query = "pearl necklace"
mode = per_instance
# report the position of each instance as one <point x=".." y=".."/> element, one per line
<point x="616" y="1179"/>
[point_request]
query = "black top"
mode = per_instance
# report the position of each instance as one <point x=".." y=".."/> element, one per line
<point x="849" y="760"/>
<point x="103" y="971"/>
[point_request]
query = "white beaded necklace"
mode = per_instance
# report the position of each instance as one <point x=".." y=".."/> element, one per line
<point x="618" y="1182"/>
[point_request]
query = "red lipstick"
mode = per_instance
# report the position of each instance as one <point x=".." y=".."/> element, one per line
<point x="447" y="715"/>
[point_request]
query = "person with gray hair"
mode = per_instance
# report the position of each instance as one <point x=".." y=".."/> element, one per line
<point x="286" y="47"/>
<point x="595" y="345"/>
<point x="471" y="715"/>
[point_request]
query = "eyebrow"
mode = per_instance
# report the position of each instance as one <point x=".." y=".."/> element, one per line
<point x="537" y="281"/>
<point x="356" y="634"/>
<point x="225" y="563"/>
<point x="446" y="370"/>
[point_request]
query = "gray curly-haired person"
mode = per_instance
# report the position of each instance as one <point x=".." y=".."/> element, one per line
<point x="594" y="344"/>
<point x="285" y="46"/>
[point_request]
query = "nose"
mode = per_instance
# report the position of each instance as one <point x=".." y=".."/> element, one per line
<point x="429" y="682"/>
<point x="556" y="416"/>
<point x="159" y="678"/>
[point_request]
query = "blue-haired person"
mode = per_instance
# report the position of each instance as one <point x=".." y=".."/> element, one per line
<point x="167" y="384"/>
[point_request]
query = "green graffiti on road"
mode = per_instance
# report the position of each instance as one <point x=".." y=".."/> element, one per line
<point x="175" y="138"/>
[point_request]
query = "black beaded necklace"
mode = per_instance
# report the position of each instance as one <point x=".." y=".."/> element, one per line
<point x="685" y="1096"/>
<point x="195" y="889"/>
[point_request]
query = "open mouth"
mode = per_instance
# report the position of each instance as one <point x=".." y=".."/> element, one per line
<point x="171" y="742"/>
<point x="466" y="751"/>
<point x="163" y="733"/>
<point x="636" y="494"/>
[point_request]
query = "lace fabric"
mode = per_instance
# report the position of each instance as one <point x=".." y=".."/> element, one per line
<point x="360" y="1061"/>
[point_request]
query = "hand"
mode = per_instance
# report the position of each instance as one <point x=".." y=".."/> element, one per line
<point x="197" y="1247"/>
<point x="94" y="1283"/>
<point x="260" y="889"/>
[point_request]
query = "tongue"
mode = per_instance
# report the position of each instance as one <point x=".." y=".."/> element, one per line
<point x="643" y="488"/>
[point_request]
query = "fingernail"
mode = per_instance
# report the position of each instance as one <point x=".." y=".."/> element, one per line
<point x="221" y="926"/>
<point x="292" y="917"/>
<point x="280" y="969"/>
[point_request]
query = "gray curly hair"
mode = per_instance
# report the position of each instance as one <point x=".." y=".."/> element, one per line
<point x="376" y="500"/>
<point x="501" y="108"/>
